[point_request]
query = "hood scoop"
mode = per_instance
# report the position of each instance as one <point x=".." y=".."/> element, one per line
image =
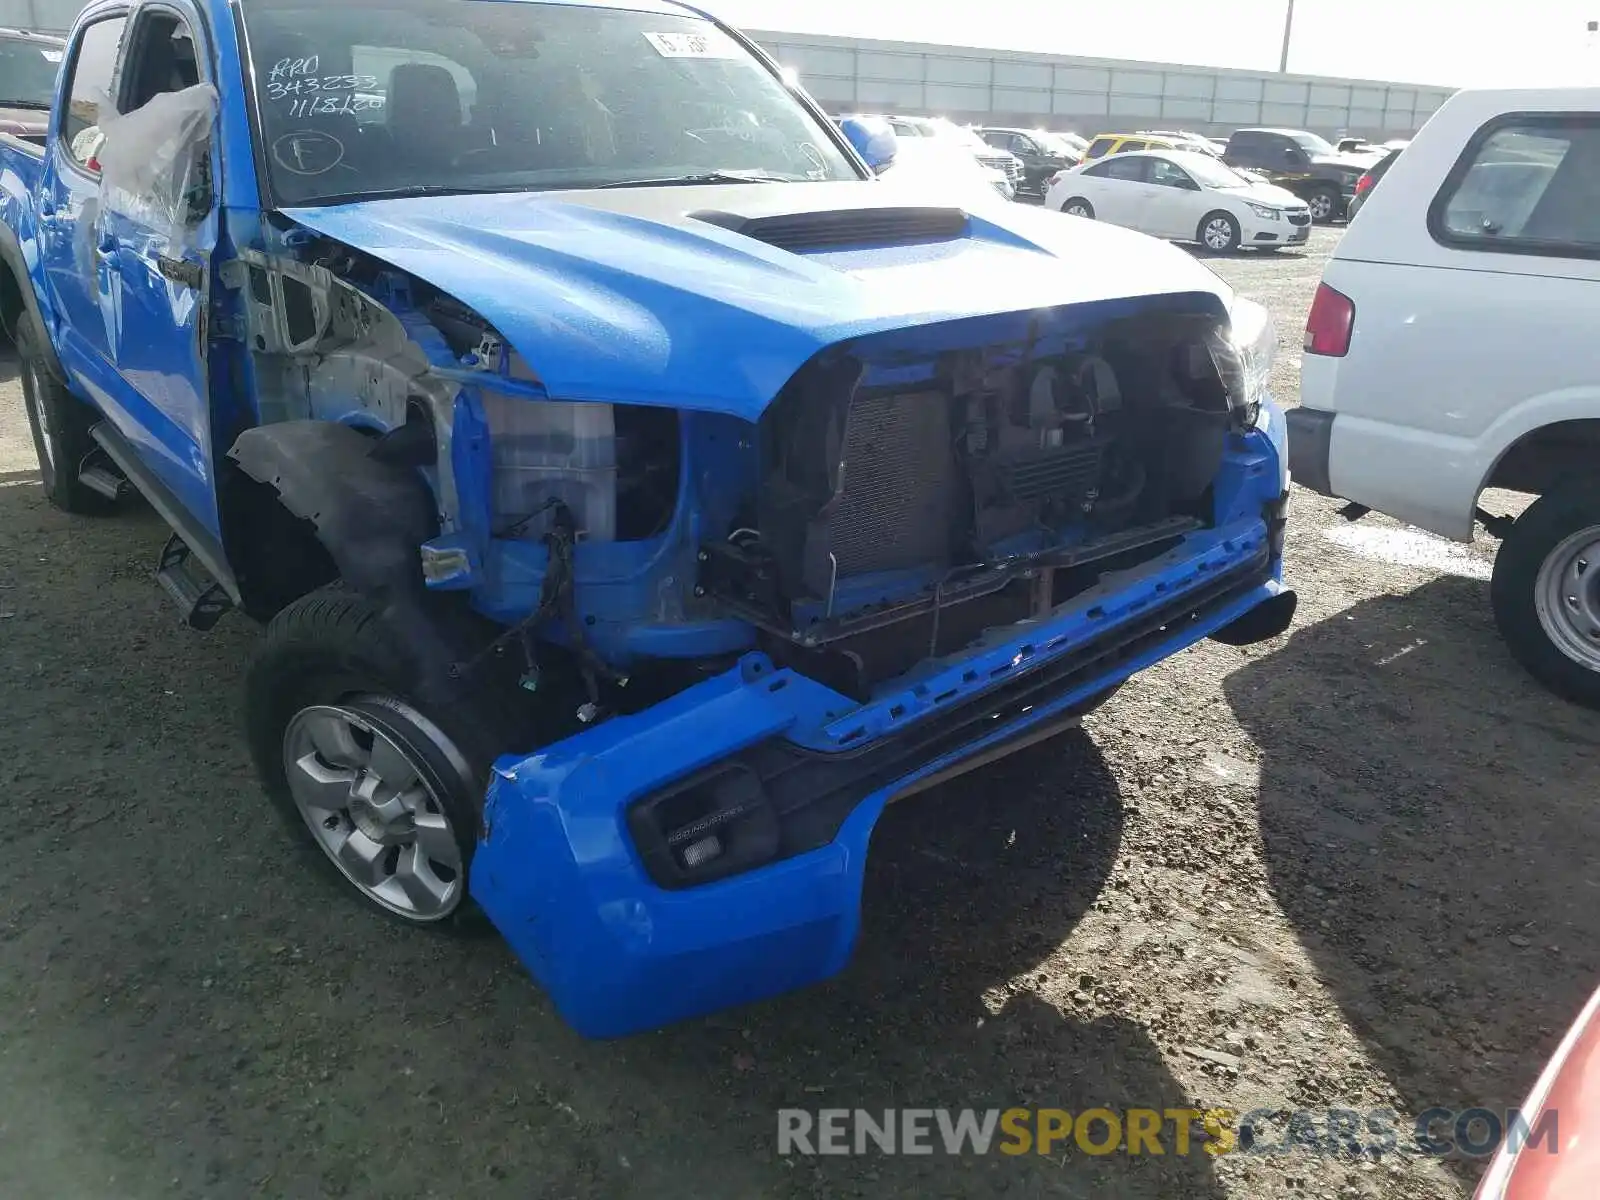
<point x="803" y="232"/>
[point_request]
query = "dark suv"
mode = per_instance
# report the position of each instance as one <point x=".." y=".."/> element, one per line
<point x="1303" y="163"/>
<point x="1042" y="154"/>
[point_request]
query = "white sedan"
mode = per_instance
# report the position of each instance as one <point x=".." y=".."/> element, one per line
<point x="1184" y="196"/>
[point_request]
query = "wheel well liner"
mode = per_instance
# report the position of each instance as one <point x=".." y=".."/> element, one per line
<point x="1540" y="458"/>
<point x="370" y="516"/>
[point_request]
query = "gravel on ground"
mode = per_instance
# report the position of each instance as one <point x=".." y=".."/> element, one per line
<point x="1351" y="868"/>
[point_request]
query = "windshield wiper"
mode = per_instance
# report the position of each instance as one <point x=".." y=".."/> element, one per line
<point x="41" y="105"/>
<point x="704" y="177"/>
<point x="418" y="189"/>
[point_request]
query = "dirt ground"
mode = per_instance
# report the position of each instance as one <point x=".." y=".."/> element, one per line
<point x="1351" y="868"/>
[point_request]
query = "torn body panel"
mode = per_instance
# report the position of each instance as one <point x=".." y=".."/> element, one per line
<point x="932" y="482"/>
<point x="324" y="349"/>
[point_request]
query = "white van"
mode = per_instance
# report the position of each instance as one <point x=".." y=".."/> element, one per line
<point x="1454" y="345"/>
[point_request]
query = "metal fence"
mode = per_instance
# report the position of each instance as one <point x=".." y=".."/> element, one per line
<point x="1089" y="95"/>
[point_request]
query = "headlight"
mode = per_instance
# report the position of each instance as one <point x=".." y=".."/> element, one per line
<point x="1255" y="341"/>
<point x="1265" y="213"/>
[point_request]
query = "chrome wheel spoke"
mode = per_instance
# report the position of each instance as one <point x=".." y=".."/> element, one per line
<point x="435" y="839"/>
<point x="362" y="858"/>
<point x="320" y="787"/>
<point x="334" y="738"/>
<point x="415" y="879"/>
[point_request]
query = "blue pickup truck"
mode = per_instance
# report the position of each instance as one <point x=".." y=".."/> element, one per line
<point x="638" y="491"/>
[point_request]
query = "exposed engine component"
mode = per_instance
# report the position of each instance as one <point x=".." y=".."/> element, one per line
<point x="892" y="496"/>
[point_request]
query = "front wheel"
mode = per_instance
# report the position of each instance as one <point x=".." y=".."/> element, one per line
<point x="380" y="786"/>
<point x="1078" y="207"/>
<point x="1219" y="233"/>
<point x="1546" y="591"/>
<point x="1323" y="203"/>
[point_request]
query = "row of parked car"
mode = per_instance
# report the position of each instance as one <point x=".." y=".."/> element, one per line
<point x="1261" y="188"/>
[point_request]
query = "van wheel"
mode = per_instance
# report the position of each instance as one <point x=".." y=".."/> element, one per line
<point x="60" y="423"/>
<point x="381" y="788"/>
<point x="1546" y="591"/>
<point x="1078" y="207"/>
<point x="1323" y="203"/>
<point x="1219" y="233"/>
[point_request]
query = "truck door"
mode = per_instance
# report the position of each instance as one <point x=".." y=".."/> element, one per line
<point x="159" y="216"/>
<point x="79" y="272"/>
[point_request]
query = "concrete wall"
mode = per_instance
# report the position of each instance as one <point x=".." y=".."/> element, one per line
<point x="41" y="16"/>
<point x="1088" y="95"/>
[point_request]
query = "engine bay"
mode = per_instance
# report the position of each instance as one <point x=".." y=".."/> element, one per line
<point x="908" y="504"/>
<point x="902" y="495"/>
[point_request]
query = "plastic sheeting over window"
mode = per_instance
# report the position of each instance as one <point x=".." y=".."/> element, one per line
<point x="154" y="163"/>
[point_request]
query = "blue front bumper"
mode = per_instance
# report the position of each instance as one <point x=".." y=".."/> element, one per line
<point x="560" y="874"/>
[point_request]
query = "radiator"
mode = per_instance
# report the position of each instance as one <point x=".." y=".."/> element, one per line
<point x="896" y="506"/>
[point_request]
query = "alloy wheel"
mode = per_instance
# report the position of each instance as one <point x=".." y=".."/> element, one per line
<point x="373" y="807"/>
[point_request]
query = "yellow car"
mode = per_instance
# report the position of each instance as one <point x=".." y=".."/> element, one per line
<point x="1118" y="143"/>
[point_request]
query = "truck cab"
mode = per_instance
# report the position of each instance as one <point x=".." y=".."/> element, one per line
<point x="638" y="492"/>
<point x="1302" y="162"/>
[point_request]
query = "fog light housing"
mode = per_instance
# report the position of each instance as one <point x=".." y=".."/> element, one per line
<point x="709" y="825"/>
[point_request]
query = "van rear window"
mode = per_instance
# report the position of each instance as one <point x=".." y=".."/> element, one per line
<point x="1526" y="184"/>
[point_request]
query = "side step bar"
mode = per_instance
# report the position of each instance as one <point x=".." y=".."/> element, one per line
<point x="194" y="566"/>
<point x="102" y="479"/>
<point x="202" y="600"/>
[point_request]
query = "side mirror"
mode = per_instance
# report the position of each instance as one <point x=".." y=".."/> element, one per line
<point x="874" y="139"/>
<point x="1293" y="155"/>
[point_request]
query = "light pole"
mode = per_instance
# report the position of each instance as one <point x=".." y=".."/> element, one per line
<point x="1288" y="27"/>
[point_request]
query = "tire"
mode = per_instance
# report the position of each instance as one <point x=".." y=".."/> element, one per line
<point x="1218" y="232"/>
<point x="333" y="696"/>
<point x="60" y="423"/>
<point x="1546" y="591"/>
<point x="1324" y="204"/>
<point x="1078" y="207"/>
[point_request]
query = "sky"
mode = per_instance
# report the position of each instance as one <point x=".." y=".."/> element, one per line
<point x="1454" y="43"/>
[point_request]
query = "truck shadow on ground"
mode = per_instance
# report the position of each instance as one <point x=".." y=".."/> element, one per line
<point x="190" y="1013"/>
<point x="1429" y="822"/>
<point x="970" y="890"/>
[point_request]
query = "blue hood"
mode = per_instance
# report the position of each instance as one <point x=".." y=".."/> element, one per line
<point x="628" y="296"/>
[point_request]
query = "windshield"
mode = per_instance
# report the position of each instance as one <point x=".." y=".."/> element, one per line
<point x="968" y="139"/>
<point x="1054" y="143"/>
<point x="1076" y="141"/>
<point x="1311" y="143"/>
<point x="28" y="73"/>
<point x="1210" y="172"/>
<point x="372" y="97"/>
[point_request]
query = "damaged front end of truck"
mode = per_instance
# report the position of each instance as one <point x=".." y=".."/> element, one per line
<point x="789" y="535"/>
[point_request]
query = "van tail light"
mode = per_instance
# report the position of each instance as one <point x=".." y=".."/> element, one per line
<point x="1328" y="328"/>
